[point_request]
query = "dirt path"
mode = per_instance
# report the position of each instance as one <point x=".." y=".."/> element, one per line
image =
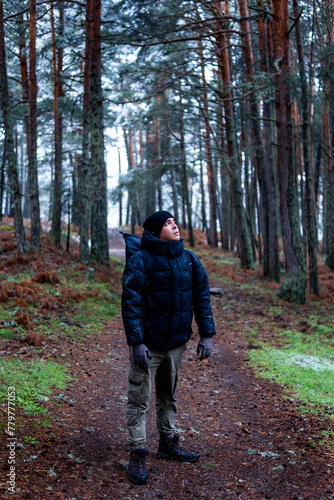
<point x="252" y="442"/>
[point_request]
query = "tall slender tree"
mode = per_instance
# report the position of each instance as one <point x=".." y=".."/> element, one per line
<point x="6" y="104"/>
<point x="266" y="57"/>
<point x="221" y="20"/>
<point x="208" y="153"/>
<point x="99" y="216"/>
<point x="185" y="180"/>
<point x="268" y="217"/>
<point x="35" y="240"/>
<point x="84" y="164"/>
<point x="294" y="286"/>
<point x="25" y="97"/>
<point x="57" y="64"/>
<point x="309" y="193"/>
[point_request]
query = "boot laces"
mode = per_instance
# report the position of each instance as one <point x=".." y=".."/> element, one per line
<point x="140" y="463"/>
<point x="179" y="450"/>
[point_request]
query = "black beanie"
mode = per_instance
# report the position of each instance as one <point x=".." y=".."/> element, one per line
<point x="155" y="222"/>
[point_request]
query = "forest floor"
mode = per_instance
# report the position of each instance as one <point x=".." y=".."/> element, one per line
<point x="253" y="439"/>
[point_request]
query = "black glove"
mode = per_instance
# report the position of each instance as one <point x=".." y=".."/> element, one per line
<point x="140" y="355"/>
<point x="204" y="345"/>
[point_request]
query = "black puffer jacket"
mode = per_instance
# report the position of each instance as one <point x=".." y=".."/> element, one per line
<point x="162" y="285"/>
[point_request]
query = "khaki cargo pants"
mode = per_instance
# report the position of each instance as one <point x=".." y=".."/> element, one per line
<point x="164" y="368"/>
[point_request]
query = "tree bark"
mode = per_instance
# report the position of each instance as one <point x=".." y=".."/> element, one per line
<point x="309" y="202"/>
<point x="75" y="216"/>
<point x="120" y="197"/>
<point x="203" y="197"/>
<point x="151" y="188"/>
<point x="25" y="96"/>
<point x="327" y="63"/>
<point x="211" y="174"/>
<point x="132" y="191"/>
<point x="270" y="266"/>
<point x="245" y="252"/>
<point x="84" y="173"/>
<point x="9" y="142"/>
<point x="185" y="183"/>
<point x="57" y="93"/>
<point x="326" y="179"/>
<point x="330" y="255"/>
<point x="266" y="56"/>
<point x="99" y="224"/>
<point x="224" y="218"/>
<point x="294" y="286"/>
<point x="35" y="240"/>
<point x="2" y="177"/>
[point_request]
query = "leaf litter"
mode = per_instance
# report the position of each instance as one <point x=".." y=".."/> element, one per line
<point x="212" y="398"/>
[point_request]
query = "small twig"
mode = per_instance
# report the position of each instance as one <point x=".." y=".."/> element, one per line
<point x="71" y="323"/>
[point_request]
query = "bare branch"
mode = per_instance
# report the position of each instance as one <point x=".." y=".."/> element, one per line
<point x="41" y="3"/>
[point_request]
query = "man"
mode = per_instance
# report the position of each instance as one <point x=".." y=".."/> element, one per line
<point x="163" y="284"/>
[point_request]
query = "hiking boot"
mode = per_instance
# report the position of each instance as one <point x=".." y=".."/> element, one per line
<point x="170" y="449"/>
<point x="137" y="465"/>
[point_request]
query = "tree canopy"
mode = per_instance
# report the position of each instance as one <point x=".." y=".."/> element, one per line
<point x="224" y="110"/>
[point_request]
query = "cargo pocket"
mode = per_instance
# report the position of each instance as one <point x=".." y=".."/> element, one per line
<point x="136" y="389"/>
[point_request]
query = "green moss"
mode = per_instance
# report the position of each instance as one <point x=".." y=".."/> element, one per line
<point x="5" y="333"/>
<point x="33" y="381"/>
<point x="305" y="369"/>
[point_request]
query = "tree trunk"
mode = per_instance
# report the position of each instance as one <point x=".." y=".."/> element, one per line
<point x="210" y="169"/>
<point x="262" y="168"/>
<point x="224" y="217"/>
<point x="317" y="174"/>
<point x="203" y="197"/>
<point x="57" y="62"/>
<point x="99" y="225"/>
<point x="120" y="196"/>
<point x="132" y="194"/>
<point x="25" y="96"/>
<point x="249" y="187"/>
<point x="9" y="139"/>
<point x="2" y="177"/>
<point x="225" y="207"/>
<point x="245" y="252"/>
<point x="330" y="201"/>
<point x="326" y="176"/>
<point x="309" y="202"/>
<point x="151" y="188"/>
<point x="84" y="173"/>
<point x="35" y="240"/>
<point x="185" y="183"/>
<point x="75" y="217"/>
<point x="266" y="56"/>
<point x="294" y="286"/>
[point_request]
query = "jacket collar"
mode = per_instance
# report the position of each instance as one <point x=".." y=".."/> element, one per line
<point x="159" y="247"/>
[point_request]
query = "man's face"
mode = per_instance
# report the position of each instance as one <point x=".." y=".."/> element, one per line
<point x="170" y="231"/>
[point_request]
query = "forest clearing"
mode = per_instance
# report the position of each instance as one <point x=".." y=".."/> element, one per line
<point x="63" y="347"/>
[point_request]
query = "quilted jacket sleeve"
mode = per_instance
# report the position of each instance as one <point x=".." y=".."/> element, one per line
<point x="201" y="299"/>
<point x="133" y="281"/>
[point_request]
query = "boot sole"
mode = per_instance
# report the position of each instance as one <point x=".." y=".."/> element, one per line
<point x="138" y="481"/>
<point x="168" y="457"/>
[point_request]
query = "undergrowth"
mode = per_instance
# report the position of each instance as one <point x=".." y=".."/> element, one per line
<point x="43" y="299"/>
<point x="33" y="381"/>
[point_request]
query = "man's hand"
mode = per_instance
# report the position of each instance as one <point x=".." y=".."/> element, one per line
<point x="140" y="355"/>
<point x="204" y="345"/>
